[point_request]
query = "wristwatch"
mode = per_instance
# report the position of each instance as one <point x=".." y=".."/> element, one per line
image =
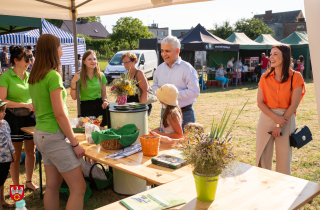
<point x="279" y="126"/>
<point x="106" y="100"/>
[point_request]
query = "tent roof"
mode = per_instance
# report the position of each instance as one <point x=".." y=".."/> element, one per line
<point x="13" y="24"/>
<point x="31" y="37"/>
<point x="62" y="9"/>
<point x="200" y="37"/>
<point x="267" y="39"/>
<point x="93" y="29"/>
<point x="296" y="38"/>
<point x="245" y="42"/>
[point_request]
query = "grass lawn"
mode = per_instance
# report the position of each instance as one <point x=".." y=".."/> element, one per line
<point x="212" y="102"/>
<point x="102" y="64"/>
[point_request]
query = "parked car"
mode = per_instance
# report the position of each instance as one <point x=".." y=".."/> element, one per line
<point x="147" y="62"/>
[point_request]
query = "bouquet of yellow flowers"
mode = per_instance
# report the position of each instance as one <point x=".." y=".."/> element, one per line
<point x="124" y="85"/>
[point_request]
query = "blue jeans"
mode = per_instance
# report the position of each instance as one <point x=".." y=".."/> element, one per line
<point x="262" y="72"/>
<point x="187" y="117"/>
<point x="224" y="80"/>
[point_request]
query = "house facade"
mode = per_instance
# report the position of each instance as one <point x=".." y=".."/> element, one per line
<point x="284" y="23"/>
<point x="159" y="33"/>
<point x="179" y="32"/>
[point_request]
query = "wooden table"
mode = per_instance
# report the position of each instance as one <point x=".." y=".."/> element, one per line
<point x="137" y="164"/>
<point x="253" y="188"/>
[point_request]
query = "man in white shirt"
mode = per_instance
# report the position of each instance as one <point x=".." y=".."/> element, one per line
<point x="179" y="73"/>
<point x="238" y="65"/>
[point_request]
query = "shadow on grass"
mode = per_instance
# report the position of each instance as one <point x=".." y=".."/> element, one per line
<point x="215" y="89"/>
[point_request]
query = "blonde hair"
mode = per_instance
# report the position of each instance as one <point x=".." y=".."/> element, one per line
<point x="83" y="75"/>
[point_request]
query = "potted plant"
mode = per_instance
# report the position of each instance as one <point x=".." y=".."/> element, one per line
<point x="210" y="155"/>
<point x="124" y="86"/>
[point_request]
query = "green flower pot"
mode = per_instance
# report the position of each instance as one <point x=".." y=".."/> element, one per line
<point x="206" y="186"/>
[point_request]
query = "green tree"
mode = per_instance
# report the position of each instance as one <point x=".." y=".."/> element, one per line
<point x="91" y="19"/>
<point x="223" y="31"/>
<point x="130" y="30"/>
<point x="253" y="27"/>
<point x="55" y="22"/>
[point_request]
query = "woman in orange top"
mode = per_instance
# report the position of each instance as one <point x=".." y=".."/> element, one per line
<point x="278" y="104"/>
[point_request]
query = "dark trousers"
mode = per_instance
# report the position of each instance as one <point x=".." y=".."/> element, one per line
<point x="94" y="108"/>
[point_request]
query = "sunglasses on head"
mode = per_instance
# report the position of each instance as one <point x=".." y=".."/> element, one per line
<point x="28" y="58"/>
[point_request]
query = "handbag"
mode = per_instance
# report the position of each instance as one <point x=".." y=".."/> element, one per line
<point x="151" y="97"/>
<point x="99" y="184"/>
<point x="301" y="136"/>
<point x="20" y="112"/>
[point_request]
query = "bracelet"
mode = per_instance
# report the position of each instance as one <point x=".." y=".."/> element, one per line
<point x="75" y="145"/>
<point x="106" y="100"/>
<point x="73" y="89"/>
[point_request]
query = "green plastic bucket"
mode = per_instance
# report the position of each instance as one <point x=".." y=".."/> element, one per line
<point x="206" y="186"/>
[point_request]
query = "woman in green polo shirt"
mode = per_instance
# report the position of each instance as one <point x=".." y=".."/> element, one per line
<point x="60" y="154"/>
<point x="92" y="85"/>
<point x="14" y="89"/>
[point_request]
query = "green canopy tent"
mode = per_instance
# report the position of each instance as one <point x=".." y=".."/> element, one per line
<point x="299" y="44"/>
<point x="13" y="24"/>
<point x="267" y="39"/>
<point x="248" y="47"/>
<point x="245" y="42"/>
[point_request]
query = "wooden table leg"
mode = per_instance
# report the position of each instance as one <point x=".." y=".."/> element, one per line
<point x="40" y="174"/>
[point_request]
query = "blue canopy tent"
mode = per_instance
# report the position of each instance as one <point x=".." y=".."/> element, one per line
<point x="30" y="38"/>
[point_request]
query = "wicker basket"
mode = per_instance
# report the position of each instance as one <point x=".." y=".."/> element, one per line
<point x="111" y="144"/>
<point x="150" y="146"/>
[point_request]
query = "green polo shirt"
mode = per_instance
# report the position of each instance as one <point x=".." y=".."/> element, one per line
<point x="40" y="94"/>
<point x="17" y="89"/>
<point x="93" y="90"/>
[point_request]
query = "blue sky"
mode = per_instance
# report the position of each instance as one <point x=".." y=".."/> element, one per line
<point x="206" y="13"/>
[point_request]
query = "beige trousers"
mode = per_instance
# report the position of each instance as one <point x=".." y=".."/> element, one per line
<point x="265" y="143"/>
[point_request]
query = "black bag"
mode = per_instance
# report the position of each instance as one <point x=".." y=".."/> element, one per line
<point x="20" y="112"/>
<point x="98" y="184"/>
<point x="301" y="136"/>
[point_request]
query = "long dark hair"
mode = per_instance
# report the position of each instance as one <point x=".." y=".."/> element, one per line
<point x="286" y="56"/>
<point x="18" y="53"/>
<point x="83" y="75"/>
<point x="174" y="115"/>
<point x="47" y="57"/>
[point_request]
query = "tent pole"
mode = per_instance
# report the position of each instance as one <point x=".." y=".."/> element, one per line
<point x="202" y="78"/>
<point x="75" y="44"/>
<point x="237" y="70"/>
<point x="40" y="29"/>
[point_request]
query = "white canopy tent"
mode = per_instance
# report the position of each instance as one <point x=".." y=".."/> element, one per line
<point x="313" y="17"/>
<point x="73" y="9"/>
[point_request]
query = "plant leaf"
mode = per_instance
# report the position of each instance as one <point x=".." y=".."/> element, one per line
<point x="231" y="128"/>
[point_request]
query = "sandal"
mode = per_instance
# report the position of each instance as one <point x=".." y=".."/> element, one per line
<point x="30" y="189"/>
<point x="8" y="205"/>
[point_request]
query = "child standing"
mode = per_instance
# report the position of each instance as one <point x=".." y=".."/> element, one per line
<point x="7" y="153"/>
<point x="172" y="117"/>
